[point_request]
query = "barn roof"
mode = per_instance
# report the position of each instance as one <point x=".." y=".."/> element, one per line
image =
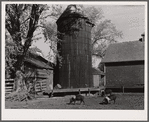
<point x="37" y="63"/>
<point x="125" y="51"/>
<point x="37" y="60"/>
<point x="36" y="51"/>
<point x="96" y="71"/>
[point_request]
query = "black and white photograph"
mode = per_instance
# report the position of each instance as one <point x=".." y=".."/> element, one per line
<point x="74" y="60"/>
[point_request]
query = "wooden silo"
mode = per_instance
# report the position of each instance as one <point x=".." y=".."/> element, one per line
<point x="75" y="49"/>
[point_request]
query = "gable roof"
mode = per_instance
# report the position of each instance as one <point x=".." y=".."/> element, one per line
<point x="37" y="60"/>
<point x="96" y="71"/>
<point x="125" y="51"/>
<point x="38" y="63"/>
<point x="36" y="51"/>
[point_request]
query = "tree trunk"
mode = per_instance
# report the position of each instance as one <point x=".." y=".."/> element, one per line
<point x="20" y="90"/>
<point x="13" y="26"/>
<point x="20" y="82"/>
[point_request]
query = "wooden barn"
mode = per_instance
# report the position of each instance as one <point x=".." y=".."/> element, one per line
<point x="39" y="71"/>
<point x="124" y="65"/>
<point x="75" y="49"/>
<point x="98" y="77"/>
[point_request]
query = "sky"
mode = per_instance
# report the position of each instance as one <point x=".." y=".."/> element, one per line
<point x="127" y="18"/>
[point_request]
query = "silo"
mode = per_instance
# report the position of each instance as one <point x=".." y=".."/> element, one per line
<point x="75" y="49"/>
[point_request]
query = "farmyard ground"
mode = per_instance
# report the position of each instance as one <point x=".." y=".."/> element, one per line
<point x="126" y="101"/>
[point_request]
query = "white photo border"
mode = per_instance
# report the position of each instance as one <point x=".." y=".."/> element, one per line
<point x="58" y="114"/>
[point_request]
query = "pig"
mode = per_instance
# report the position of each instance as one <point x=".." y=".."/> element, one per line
<point x="107" y="99"/>
<point x="77" y="98"/>
<point x="112" y="98"/>
<point x="106" y="92"/>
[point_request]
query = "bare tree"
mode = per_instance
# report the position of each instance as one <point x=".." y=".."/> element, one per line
<point x="103" y="33"/>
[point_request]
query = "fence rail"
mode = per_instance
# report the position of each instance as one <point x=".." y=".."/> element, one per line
<point x="9" y="83"/>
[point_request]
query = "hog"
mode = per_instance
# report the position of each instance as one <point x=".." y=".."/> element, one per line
<point x="112" y="98"/>
<point x="77" y="98"/>
<point x="107" y="99"/>
<point x="106" y="92"/>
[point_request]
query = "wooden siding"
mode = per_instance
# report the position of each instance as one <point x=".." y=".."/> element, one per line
<point x="76" y="64"/>
<point x="96" y="80"/>
<point x="128" y="74"/>
<point x="43" y="78"/>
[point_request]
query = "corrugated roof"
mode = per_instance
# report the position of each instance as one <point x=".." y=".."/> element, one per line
<point x="96" y="71"/>
<point x="125" y="51"/>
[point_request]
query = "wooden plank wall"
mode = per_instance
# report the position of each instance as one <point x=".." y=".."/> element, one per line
<point x="76" y="53"/>
<point x="129" y="75"/>
<point x="44" y="80"/>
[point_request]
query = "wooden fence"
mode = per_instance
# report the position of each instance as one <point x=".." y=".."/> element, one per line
<point x="39" y="87"/>
<point x="9" y="85"/>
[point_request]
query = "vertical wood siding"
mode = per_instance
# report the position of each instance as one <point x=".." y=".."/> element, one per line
<point x="127" y="75"/>
<point x="76" y="65"/>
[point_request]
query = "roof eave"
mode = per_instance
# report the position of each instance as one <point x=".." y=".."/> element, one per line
<point x="120" y="61"/>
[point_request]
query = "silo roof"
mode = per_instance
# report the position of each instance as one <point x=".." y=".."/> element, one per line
<point x="72" y="11"/>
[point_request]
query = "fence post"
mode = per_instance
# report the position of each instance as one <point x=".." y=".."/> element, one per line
<point x="89" y="92"/>
<point x="79" y="91"/>
<point x="123" y="89"/>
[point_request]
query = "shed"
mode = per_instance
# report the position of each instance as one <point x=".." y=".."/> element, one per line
<point x="39" y="70"/>
<point x="124" y="65"/>
<point x="98" y="77"/>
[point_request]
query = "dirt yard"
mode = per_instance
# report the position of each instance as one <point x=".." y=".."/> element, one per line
<point x="134" y="101"/>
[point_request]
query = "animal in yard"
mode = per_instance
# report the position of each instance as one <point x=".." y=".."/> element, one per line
<point x="77" y="98"/>
<point x="107" y="99"/>
<point x="112" y="98"/>
<point x="102" y="93"/>
<point x="106" y="92"/>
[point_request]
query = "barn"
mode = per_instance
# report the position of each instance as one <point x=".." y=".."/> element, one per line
<point x="39" y="71"/>
<point x="124" y="65"/>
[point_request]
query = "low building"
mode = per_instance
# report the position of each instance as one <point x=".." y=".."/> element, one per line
<point x="98" y="77"/>
<point x="39" y="71"/>
<point x="124" y="65"/>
